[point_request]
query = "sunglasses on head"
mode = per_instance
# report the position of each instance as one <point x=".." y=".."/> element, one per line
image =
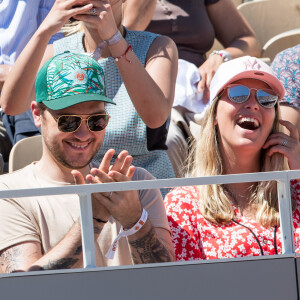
<point x="239" y="94"/>
<point x="71" y="123"/>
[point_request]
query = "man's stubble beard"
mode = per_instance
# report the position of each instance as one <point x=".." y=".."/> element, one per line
<point x="60" y="157"/>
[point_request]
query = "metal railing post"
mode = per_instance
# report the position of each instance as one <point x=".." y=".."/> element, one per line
<point x="286" y="219"/>
<point x="87" y="231"/>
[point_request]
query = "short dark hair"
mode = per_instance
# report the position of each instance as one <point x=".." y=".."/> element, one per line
<point x="42" y="107"/>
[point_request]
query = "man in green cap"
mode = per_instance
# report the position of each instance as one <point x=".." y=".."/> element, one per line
<point x="42" y="233"/>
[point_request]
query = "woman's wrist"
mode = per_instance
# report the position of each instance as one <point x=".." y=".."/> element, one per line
<point x="118" y="48"/>
<point x="43" y="33"/>
<point x="225" y="55"/>
<point x="114" y="39"/>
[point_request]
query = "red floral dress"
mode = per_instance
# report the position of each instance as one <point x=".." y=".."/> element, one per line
<point x="195" y="238"/>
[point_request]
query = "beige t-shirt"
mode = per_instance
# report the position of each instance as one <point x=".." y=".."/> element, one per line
<point x="48" y="219"/>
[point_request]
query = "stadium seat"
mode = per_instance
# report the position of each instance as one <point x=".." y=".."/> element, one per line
<point x="269" y="18"/>
<point x="237" y="2"/>
<point x="25" y="152"/>
<point x="280" y="42"/>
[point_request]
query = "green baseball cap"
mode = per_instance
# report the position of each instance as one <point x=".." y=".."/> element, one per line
<point x="68" y="79"/>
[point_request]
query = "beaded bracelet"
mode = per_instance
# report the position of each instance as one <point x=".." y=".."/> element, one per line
<point x="129" y="48"/>
<point x="224" y="54"/>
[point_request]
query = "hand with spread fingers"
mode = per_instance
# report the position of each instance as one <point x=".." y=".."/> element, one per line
<point x="288" y="145"/>
<point x="124" y="206"/>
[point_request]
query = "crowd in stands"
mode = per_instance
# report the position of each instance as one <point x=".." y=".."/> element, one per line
<point x="194" y="36"/>
<point x="19" y="21"/>
<point x="139" y="71"/>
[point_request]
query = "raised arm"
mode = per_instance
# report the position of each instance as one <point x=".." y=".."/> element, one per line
<point x="235" y="35"/>
<point x="18" y="89"/>
<point x="4" y="70"/>
<point x="137" y="14"/>
<point x="152" y="88"/>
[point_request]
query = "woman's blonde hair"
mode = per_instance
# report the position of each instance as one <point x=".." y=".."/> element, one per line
<point x="75" y="26"/>
<point x="72" y="28"/>
<point x="205" y="159"/>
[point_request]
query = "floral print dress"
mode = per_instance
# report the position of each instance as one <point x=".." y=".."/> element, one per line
<point x="195" y="238"/>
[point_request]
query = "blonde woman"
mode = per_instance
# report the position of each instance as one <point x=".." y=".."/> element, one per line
<point x="140" y="70"/>
<point x="240" y="134"/>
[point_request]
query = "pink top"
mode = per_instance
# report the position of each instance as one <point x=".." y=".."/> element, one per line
<point x="195" y="238"/>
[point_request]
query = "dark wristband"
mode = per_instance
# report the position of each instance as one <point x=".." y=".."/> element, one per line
<point x="99" y="220"/>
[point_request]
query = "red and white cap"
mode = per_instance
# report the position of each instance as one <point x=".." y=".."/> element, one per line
<point x="244" y="67"/>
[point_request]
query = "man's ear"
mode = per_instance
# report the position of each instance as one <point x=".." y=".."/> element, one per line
<point x="36" y="113"/>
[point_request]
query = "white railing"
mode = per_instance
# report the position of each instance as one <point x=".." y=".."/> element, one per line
<point x="84" y="191"/>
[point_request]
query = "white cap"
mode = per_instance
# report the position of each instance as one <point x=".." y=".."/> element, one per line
<point x="244" y="67"/>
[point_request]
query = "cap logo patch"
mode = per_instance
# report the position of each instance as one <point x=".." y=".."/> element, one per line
<point x="80" y="77"/>
<point x="252" y="64"/>
<point x="68" y="79"/>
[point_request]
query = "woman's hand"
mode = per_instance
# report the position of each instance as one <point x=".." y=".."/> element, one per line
<point x="62" y="11"/>
<point x="103" y="19"/>
<point x="288" y="145"/>
<point x="207" y="71"/>
<point x="235" y="35"/>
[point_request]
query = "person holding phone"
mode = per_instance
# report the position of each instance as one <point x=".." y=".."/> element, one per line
<point x="193" y="26"/>
<point x="141" y="72"/>
<point x="44" y="233"/>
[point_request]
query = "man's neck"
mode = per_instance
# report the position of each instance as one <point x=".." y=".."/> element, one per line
<point x="55" y="171"/>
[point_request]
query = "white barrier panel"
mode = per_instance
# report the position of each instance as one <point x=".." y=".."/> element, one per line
<point x="84" y="191"/>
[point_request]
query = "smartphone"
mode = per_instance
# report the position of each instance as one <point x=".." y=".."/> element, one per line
<point x="72" y="19"/>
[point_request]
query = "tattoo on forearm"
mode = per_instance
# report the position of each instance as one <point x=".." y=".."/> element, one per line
<point x="78" y="251"/>
<point x="10" y="259"/>
<point x="97" y="230"/>
<point x="150" y="249"/>
<point x="63" y="263"/>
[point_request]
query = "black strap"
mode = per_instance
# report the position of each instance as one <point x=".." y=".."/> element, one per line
<point x="260" y="247"/>
<point x="99" y="220"/>
<point x="275" y="242"/>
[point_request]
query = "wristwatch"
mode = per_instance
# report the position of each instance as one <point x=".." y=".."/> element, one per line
<point x="224" y="54"/>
